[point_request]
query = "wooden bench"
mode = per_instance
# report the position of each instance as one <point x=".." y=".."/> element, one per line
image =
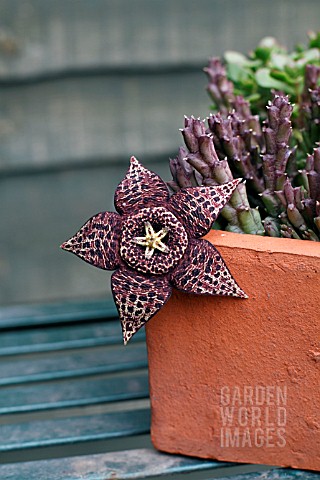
<point x="74" y="402"/>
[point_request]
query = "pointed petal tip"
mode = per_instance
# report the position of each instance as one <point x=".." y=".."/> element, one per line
<point x="97" y="241"/>
<point x="140" y="187"/>
<point x="215" y="279"/>
<point x="128" y="334"/>
<point x="233" y="184"/>
<point x="134" y="161"/>
<point x="236" y="181"/>
<point x="134" y="310"/>
<point x="242" y="294"/>
<point x="66" y="245"/>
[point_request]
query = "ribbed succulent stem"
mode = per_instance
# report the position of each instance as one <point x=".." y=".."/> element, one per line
<point x="298" y="214"/>
<point x="234" y="140"/>
<point x="182" y="173"/>
<point x="277" y="132"/>
<point x="317" y="217"/>
<point x="219" y="87"/>
<point x="208" y="169"/>
<point x="272" y="227"/>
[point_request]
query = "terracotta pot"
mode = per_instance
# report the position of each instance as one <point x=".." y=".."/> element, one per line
<point x="238" y="380"/>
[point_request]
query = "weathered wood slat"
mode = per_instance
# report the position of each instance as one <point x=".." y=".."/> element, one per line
<point x="72" y="394"/>
<point x="29" y="437"/>
<point x="59" y="338"/>
<point x="136" y="464"/>
<point x="108" y="117"/>
<point x="46" y="314"/>
<point x="129" y="464"/>
<point x="275" y="474"/>
<point x="73" y="430"/>
<point x="63" y="338"/>
<point x="43" y="37"/>
<point x="79" y="364"/>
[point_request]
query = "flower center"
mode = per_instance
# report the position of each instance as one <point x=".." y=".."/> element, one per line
<point x="152" y="240"/>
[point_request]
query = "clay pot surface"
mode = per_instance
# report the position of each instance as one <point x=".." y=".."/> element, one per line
<point x="239" y="380"/>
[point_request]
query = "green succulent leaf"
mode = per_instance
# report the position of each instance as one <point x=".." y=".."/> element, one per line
<point x="266" y="48"/>
<point x="254" y="97"/>
<point x="279" y="60"/>
<point x="265" y="79"/>
<point x="309" y="56"/>
<point x="237" y="73"/>
<point x="294" y="71"/>
<point x="314" y="40"/>
<point x="285" y="77"/>
<point x="263" y="53"/>
<point x="231" y="56"/>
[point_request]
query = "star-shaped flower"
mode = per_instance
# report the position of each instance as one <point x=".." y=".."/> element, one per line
<point x="154" y="244"/>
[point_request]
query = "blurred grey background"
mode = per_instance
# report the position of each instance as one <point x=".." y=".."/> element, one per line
<point x="84" y="85"/>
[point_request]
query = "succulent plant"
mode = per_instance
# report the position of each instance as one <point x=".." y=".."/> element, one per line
<point x="257" y="133"/>
<point x="267" y="69"/>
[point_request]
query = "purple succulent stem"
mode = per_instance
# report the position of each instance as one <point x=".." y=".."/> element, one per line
<point x="286" y="230"/>
<point x="309" y="108"/>
<point x="182" y="172"/>
<point x="272" y="227"/>
<point x="219" y="87"/>
<point x="310" y="178"/>
<point x="298" y="214"/>
<point x="251" y="122"/>
<point x="232" y="140"/>
<point x="311" y="77"/>
<point x="277" y="132"/>
<point x="317" y="218"/>
<point x="202" y="156"/>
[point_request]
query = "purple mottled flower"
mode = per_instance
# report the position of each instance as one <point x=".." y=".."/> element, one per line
<point x="154" y="244"/>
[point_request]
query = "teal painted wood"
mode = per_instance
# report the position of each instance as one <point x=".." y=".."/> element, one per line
<point x="136" y="464"/>
<point x="59" y="338"/>
<point x="29" y="436"/>
<point x="63" y="338"/>
<point x="76" y="393"/>
<point x="125" y="465"/>
<point x="73" y="120"/>
<point x="74" y="430"/>
<point x="73" y="365"/>
<point x="47" y="37"/>
<point x="59" y="312"/>
<point x="276" y="474"/>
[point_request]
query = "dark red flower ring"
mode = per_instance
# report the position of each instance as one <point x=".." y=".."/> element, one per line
<point x="154" y="243"/>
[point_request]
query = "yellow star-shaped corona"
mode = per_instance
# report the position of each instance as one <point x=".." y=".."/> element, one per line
<point x="152" y="240"/>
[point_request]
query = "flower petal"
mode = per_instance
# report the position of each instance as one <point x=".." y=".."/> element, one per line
<point x="203" y="271"/>
<point x="138" y="298"/>
<point x="139" y="188"/>
<point x="198" y="207"/>
<point x="97" y="242"/>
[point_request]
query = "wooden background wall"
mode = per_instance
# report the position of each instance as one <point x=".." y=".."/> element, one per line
<point x="83" y="85"/>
